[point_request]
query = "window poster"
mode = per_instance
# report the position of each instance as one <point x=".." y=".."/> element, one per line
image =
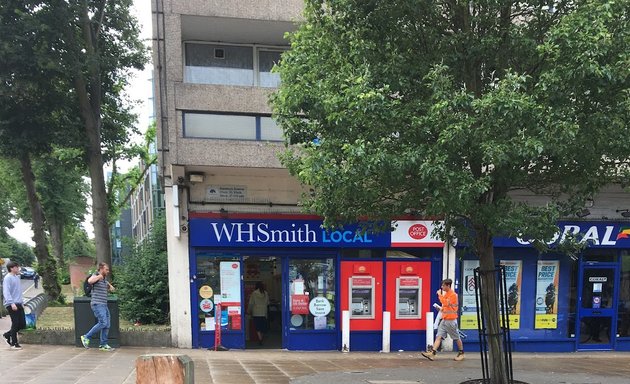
<point x="230" y="283"/>
<point x="547" y="280"/>
<point x="468" y="319"/>
<point x="513" y="281"/>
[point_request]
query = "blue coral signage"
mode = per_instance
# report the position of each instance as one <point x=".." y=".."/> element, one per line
<point x="280" y="233"/>
<point x="596" y="234"/>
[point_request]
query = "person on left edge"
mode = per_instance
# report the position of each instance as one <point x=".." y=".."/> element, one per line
<point x="12" y="291"/>
<point x="100" y="287"/>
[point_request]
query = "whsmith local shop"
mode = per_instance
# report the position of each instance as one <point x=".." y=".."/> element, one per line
<point x="557" y="303"/>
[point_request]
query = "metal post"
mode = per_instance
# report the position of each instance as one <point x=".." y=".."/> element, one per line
<point x="345" y="331"/>
<point x="386" y="332"/>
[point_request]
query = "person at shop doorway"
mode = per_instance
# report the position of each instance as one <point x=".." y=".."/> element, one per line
<point x="448" y="325"/>
<point x="257" y="308"/>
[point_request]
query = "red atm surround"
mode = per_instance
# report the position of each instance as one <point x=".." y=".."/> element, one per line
<point x="362" y="271"/>
<point x="408" y="269"/>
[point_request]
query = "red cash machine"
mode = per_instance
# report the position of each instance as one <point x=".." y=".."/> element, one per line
<point x="362" y="296"/>
<point x="408" y="299"/>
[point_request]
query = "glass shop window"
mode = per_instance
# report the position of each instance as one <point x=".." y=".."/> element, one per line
<point x="312" y="294"/>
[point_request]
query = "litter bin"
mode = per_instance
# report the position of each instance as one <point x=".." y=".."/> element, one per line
<point x="84" y="320"/>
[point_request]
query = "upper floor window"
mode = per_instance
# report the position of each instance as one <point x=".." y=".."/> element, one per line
<point x="231" y="126"/>
<point x="231" y="64"/>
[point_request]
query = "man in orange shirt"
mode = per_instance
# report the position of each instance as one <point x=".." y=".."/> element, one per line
<point x="448" y="325"/>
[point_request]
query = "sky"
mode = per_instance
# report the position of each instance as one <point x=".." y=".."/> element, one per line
<point x="138" y="89"/>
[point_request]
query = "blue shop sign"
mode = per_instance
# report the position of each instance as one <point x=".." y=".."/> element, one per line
<point x="597" y="234"/>
<point x="280" y="233"/>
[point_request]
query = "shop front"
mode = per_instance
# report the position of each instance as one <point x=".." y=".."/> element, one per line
<point x="558" y="302"/>
<point x="310" y="275"/>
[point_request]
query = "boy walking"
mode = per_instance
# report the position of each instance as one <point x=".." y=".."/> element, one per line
<point x="448" y="325"/>
<point x="12" y="291"/>
<point x="98" y="303"/>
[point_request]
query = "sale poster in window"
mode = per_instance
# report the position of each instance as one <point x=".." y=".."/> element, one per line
<point x="513" y="282"/>
<point x="468" y="319"/>
<point x="547" y="283"/>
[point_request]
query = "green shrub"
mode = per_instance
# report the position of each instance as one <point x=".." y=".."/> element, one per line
<point x="63" y="275"/>
<point x="142" y="280"/>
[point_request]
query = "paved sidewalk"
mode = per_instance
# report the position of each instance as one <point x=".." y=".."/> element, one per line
<point x="48" y="364"/>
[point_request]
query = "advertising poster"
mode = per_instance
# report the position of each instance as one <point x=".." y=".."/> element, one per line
<point x="468" y="319"/>
<point x="230" y="282"/>
<point x="299" y="304"/>
<point x="513" y="274"/>
<point x="547" y="280"/>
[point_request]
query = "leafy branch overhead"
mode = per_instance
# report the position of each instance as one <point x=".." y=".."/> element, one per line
<point x="497" y="117"/>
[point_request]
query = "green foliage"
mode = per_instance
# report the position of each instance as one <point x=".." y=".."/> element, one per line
<point x="142" y="281"/>
<point x="497" y="117"/>
<point x="63" y="275"/>
<point x="416" y="106"/>
<point x="16" y="251"/>
<point x="122" y="185"/>
<point x="77" y="243"/>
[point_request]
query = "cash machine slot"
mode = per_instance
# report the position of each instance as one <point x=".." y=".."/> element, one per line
<point x="361" y="297"/>
<point x="408" y="297"/>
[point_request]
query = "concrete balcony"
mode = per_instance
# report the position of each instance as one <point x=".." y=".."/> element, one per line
<point x="286" y="10"/>
<point x="228" y="153"/>
<point x="222" y="98"/>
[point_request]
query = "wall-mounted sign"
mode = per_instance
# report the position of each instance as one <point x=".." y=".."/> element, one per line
<point x="226" y="192"/>
<point x="416" y="234"/>
<point x="230" y="232"/>
<point x="598" y="279"/>
<point x="595" y="234"/>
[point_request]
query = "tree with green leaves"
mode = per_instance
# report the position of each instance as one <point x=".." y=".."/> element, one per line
<point x="62" y="190"/>
<point x="91" y="46"/>
<point x="33" y="112"/>
<point x="101" y="46"/>
<point x="143" y="279"/>
<point x="76" y="243"/>
<point x="16" y="251"/>
<point x="446" y="108"/>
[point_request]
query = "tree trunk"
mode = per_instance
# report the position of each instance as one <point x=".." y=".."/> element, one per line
<point x="47" y="264"/>
<point x="56" y="238"/>
<point x="489" y="296"/>
<point x="99" y="201"/>
<point x="89" y="93"/>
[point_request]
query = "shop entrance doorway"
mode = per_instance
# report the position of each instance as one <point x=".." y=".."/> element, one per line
<point x="265" y="271"/>
<point x="597" y="306"/>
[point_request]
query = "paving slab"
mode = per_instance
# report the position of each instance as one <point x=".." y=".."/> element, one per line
<point x="66" y="364"/>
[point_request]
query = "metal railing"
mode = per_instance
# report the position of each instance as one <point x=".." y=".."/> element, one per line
<point x="36" y="305"/>
<point x="504" y="323"/>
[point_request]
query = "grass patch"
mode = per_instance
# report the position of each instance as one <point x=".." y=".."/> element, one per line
<point x="62" y="317"/>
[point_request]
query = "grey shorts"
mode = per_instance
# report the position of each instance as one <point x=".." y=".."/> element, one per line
<point x="448" y="327"/>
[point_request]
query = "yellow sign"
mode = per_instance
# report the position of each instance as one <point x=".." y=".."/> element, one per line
<point x="546" y="321"/>
<point x="514" y="320"/>
<point x="468" y="322"/>
<point x="205" y="291"/>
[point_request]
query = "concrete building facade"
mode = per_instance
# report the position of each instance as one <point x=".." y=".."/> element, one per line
<point x="233" y="218"/>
